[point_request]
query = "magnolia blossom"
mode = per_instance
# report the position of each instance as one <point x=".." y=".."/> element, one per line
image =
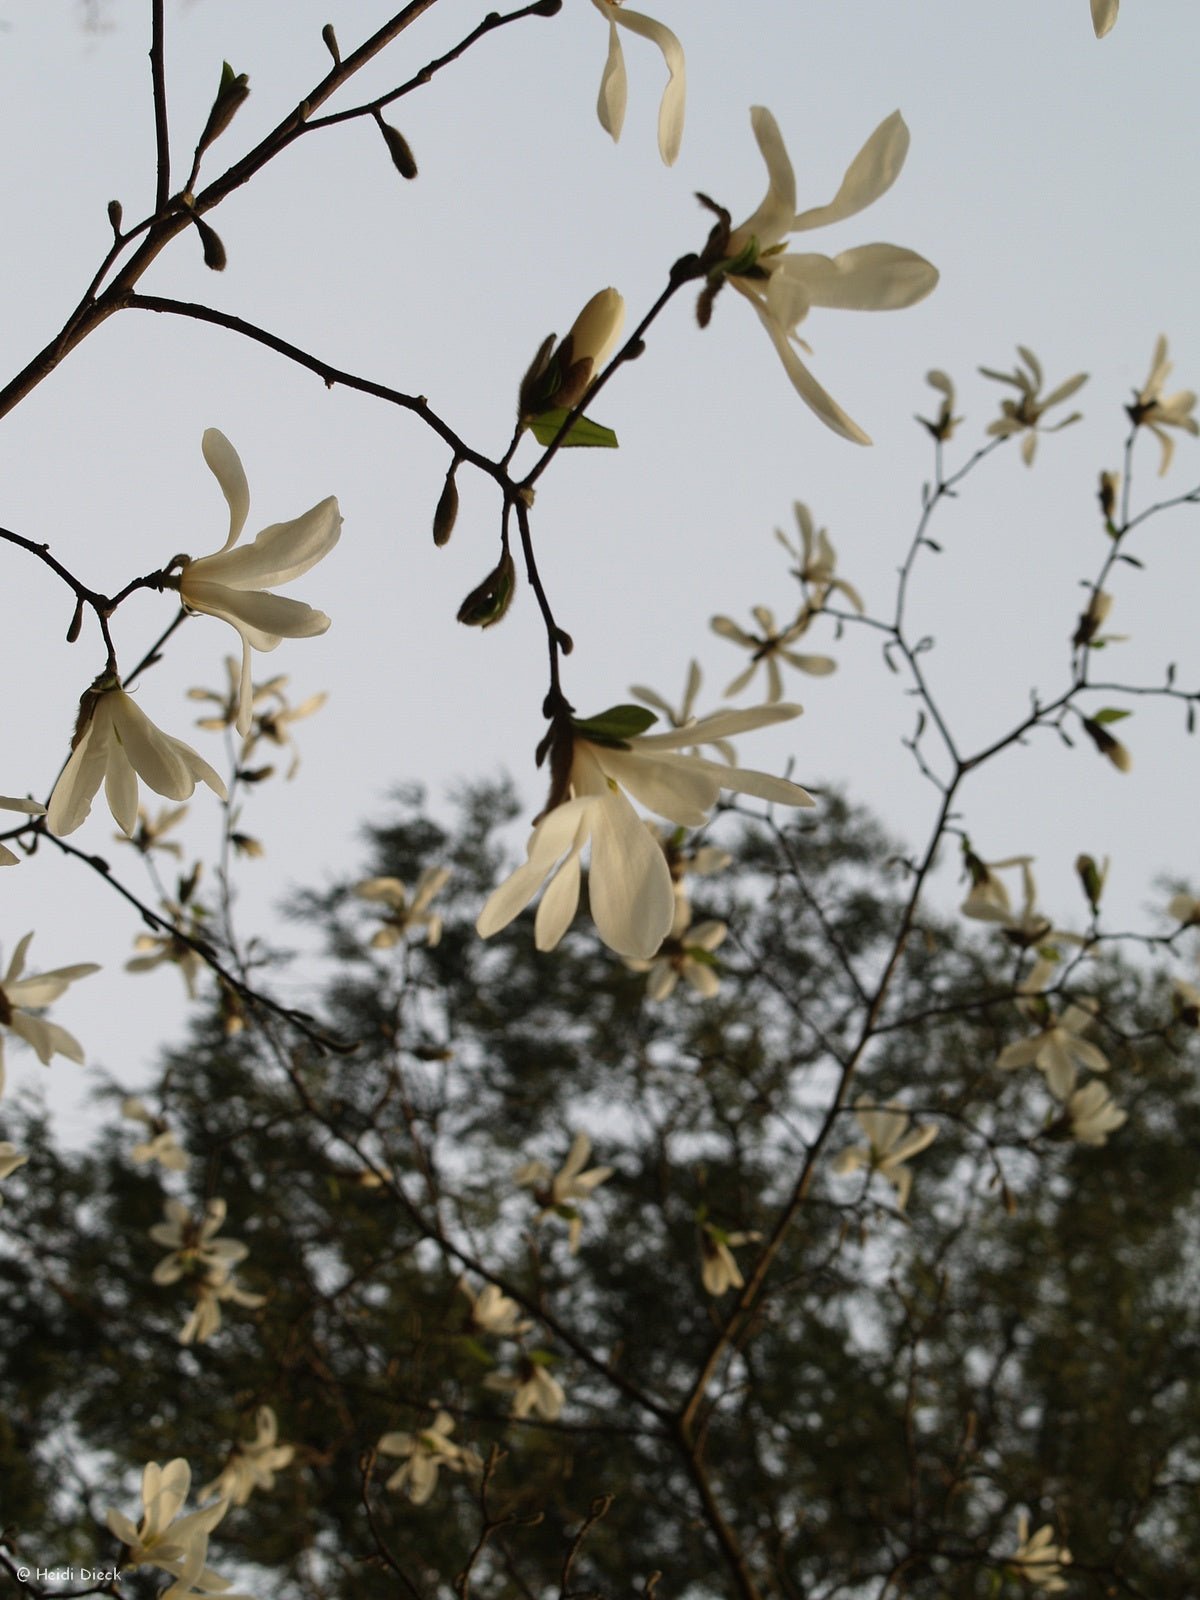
<point x="232" y="584"/>
<point x="1093" y="1114"/>
<point x="1158" y="412"/>
<point x="534" y="1392"/>
<point x="402" y="916"/>
<point x="155" y="949"/>
<point x="817" y="562"/>
<point x="1024" y="414"/>
<point x="560" y="374"/>
<point x="768" y="648"/>
<point x="162" y="1146"/>
<point x="686" y="953"/>
<point x="1038" y="1559"/>
<point x="610" y="107"/>
<point x="31" y="809"/>
<point x="629" y="886"/>
<point x="888" y="1147"/>
<point x="943" y="425"/>
<point x="783" y="288"/>
<point x="988" y="901"/>
<point x="1059" y="1049"/>
<point x="495" y="1313"/>
<point x="178" y="1544"/>
<point x="271" y="716"/>
<point x="148" y="835"/>
<point x="10" y="1159"/>
<point x="196" y="1252"/>
<point x="253" y="1463"/>
<point x="719" y="1271"/>
<point x="557" y="1191"/>
<point x="424" y="1453"/>
<point x="115" y="744"/>
<point x="1104" y="15"/>
<point x="204" y="1319"/>
<point x="20" y="997"/>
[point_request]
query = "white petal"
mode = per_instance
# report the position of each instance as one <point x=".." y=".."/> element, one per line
<point x="121" y="789"/>
<point x="629" y="885"/>
<point x="280" y="553"/>
<point x="561" y="899"/>
<point x="805" y="385"/>
<point x="872" y="173"/>
<point x="227" y="468"/>
<point x="1104" y="15"/>
<point x="550" y="840"/>
<point x="871" y="277"/>
<point x="677" y="787"/>
<point x="614" y="86"/>
<point x="82" y="776"/>
<point x="261" y="618"/>
<point x="148" y="750"/>
<point x="774" y="217"/>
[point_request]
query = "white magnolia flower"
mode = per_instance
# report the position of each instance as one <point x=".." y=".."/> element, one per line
<point x="610" y="107"/>
<point x="817" y="562"/>
<point x="495" y="1313"/>
<point x="10" y="1159"/>
<point x="115" y="744"/>
<point x="558" y="1192"/>
<point x="1104" y="15"/>
<point x="1156" y="411"/>
<point x="1094" y="1114"/>
<point x="561" y="373"/>
<point x="20" y="997"/>
<point x="768" y="648"/>
<point x="719" y="1270"/>
<point x="424" y="1453"/>
<point x="988" y="901"/>
<point x="1058" y="1050"/>
<point x="943" y="425"/>
<point x="686" y="953"/>
<point x="232" y="584"/>
<point x="1038" y="1559"/>
<point x="196" y="1252"/>
<point x="162" y="1146"/>
<point x="31" y="808"/>
<point x="1024" y="414"/>
<point x="253" y="1463"/>
<point x="178" y="1544"/>
<point x="205" y="1317"/>
<point x="888" y="1147"/>
<point x="402" y="916"/>
<point x="534" y="1392"/>
<point x="630" y="893"/>
<point x="148" y="836"/>
<point x="783" y="288"/>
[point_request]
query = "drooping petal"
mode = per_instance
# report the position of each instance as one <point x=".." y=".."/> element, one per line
<point x="614" y="85"/>
<point x="226" y="466"/>
<point x="82" y="776"/>
<point x="149" y="751"/>
<point x="629" y="884"/>
<point x="719" y="725"/>
<point x="198" y="767"/>
<point x="670" y="111"/>
<point x="121" y="789"/>
<point x="560" y="902"/>
<point x="261" y="618"/>
<point x="550" y="840"/>
<point x="46" y="1038"/>
<point x="871" y="277"/>
<point x="805" y="385"/>
<point x="872" y="173"/>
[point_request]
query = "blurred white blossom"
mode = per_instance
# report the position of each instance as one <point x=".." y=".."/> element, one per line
<point x="888" y="1146"/>
<point x="719" y="1270"/>
<point x="1039" y="1559"/>
<point x="162" y="1145"/>
<point x="423" y="1454"/>
<point x="10" y="1159"/>
<point x="768" y="648"/>
<point x="943" y="425"/>
<point x="686" y="953"/>
<point x="534" y="1392"/>
<point x="495" y="1313"/>
<point x="1058" y="1050"/>
<point x="21" y="996"/>
<point x="559" y="1193"/>
<point x="1024" y="413"/>
<point x="686" y="713"/>
<point x="1158" y="412"/>
<point x="252" y="1463"/>
<point x="816" y="562"/>
<point x="402" y="916"/>
<point x="1094" y="1114"/>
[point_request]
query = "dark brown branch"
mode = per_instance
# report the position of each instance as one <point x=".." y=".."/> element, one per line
<point x="158" y="78"/>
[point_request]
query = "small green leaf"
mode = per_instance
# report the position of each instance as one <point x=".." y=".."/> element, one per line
<point x="1111" y="714"/>
<point x="583" y="430"/>
<point x="472" y="1347"/>
<point x="615" y="725"/>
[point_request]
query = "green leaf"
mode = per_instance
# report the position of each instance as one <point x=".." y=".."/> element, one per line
<point x="1111" y="714"/>
<point x="583" y="430"/>
<point x="615" y="725"/>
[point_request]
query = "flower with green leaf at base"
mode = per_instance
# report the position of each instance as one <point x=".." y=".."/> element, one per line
<point x="593" y="763"/>
<point x="232" y="584"/>
<point x="195" y="1251"/>
<point x="783" y="287"/>
<point x="116" y="744"/>
<point x="1059" y="1049"/>
<point x="21" y="997"/>
<point x="610" y="107"/>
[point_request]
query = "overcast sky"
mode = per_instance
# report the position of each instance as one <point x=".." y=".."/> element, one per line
<point x="1051" y="179"/>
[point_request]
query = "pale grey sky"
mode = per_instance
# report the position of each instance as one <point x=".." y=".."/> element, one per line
<point x="1051" y="179"/>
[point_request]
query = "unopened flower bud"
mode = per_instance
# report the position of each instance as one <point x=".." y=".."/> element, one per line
<point x="214" y="250"/>
<point x="233" y="90"/>
<point x="488" y="601"/>
<point x="446" y="513"/>
<point x="115" y="214"/>
<point x="560" y="379"/>
<point x="331" y="43"/>
<point x="1109" y="484"/>
<point x="1093" y="618"/>
<point x="399" y="148"/>
<point x="1107" y="745"/>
